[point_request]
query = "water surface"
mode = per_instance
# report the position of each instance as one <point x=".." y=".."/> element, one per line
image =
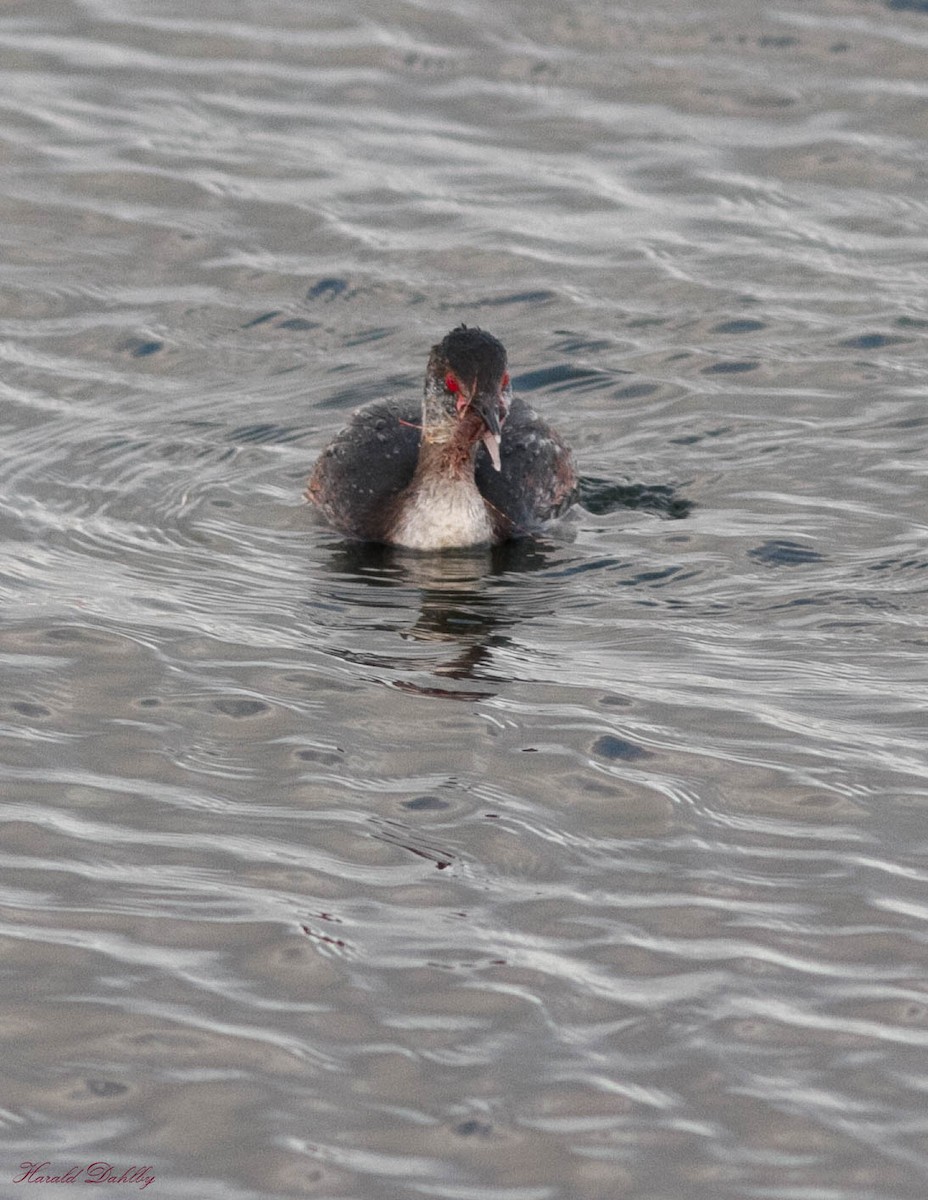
<point x="576" y="870"/>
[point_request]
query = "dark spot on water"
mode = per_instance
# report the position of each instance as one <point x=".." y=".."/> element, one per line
<point x="576" y="343"/>
<point x="368" y="335"/>
<point x="65" y="634"/>
<point x="140" y="348"/>
<point x="908" y="5"/>
<point x="222" y="504"/>
<point x="871" y="341"/>
<point x="235" y="706"/>
<point x="740" y="326"/>
<point x="149" y="702"/>
<point x="777" y="43"/>
<point x="538" y="297"/>
<point x="297" y="323"/>
<point x="616" y="748"/>
<point x="658" y="576"/>
<point x="602" y="496"/>
<point x="563" y="376"/>
<point x="691" y="439"/>
<point x="893" y="564"/>
<point x="325" y="757"/>
<point x="327" y="289"/>
<point x="597" y="564"/>
<point x="783" y="553"/>
<point x="268" y="316"/>
<point x="647" y="322"/>
<point x="529" y="749"/>
<point x="596" y="788"/>
<point x="730" y="368"/>
<point x="105" y="1088"/>
<point x="324" y="937"/>
<point x="426" y="804"/>
<point x="473" y="1128"/>
<point x="911" y="323"/>
<point x="254" y="433"/>
<point x="839" y="47"/>
<point x="635" y="391"/>
<point x="27" y="709"/>
<point x="396" y="834"/>
<point x="523" y="555"/>
<point x="466" y="697"/>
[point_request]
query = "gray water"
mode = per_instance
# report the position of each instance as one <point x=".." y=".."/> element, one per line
<point x="588" y="869"/>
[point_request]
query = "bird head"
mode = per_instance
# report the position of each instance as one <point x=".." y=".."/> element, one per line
<point x="467" y="390"/>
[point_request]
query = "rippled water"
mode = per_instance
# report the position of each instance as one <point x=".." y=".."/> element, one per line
<point x="587" y="869"/>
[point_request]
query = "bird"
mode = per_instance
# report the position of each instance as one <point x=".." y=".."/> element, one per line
<point x="473" y="466"/>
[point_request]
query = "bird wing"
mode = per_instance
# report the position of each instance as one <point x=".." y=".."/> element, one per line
<point x="537" y="480"/>
<point x="366" y="466"/>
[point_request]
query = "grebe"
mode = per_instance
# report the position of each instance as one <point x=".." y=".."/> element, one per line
<point x="475" y="465"/>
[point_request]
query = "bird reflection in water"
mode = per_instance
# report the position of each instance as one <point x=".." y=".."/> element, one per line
<point x="462" y="595"/>
<point x="458" y="606"/>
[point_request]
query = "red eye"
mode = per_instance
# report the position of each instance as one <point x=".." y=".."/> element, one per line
<point x="452" y="384"/>
<point x="506" y="381"/>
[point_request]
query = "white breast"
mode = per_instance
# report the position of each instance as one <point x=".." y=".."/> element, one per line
<point x="443" y="514"/>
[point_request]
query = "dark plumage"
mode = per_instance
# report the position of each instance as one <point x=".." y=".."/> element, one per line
<point x="424" y="476"/>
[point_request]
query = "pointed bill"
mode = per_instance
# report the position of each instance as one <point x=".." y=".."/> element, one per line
<point x="486" y="405"/>
<point x="491" y="441"/>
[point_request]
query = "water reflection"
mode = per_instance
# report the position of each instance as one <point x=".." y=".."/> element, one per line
<point x="654" y="904"/>
<point x="601" y="496"/>
<point x="459" y="598"/>
<point x="467" y="600"/>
